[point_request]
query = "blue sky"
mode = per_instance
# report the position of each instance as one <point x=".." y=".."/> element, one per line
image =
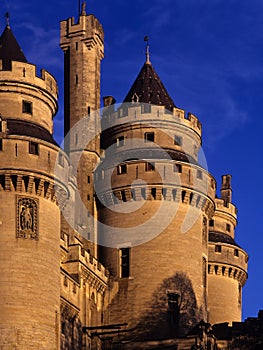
<point x="209" y="55"/>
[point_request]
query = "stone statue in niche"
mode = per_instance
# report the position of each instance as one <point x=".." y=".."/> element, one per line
<point x="27" y="218"/>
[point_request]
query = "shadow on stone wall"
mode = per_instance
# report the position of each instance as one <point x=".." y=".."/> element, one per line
<point x="172" y="311"/>
<point x="71" y="331"/>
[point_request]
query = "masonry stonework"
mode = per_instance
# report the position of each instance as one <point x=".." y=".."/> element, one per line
<point x="120" y="241"/>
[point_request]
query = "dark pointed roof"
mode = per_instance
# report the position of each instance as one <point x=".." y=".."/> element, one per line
<point x="148" y="88"/>
<point x="10" y="49"/>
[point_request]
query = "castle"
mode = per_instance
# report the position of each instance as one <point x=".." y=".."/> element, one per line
<point x="119" y="240"/>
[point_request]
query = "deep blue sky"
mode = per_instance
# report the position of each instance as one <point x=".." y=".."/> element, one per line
<point x="209" y="55"/>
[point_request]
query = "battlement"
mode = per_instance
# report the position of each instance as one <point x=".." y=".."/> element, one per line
<point x="88" y="28"/>
<point x="228" y="260"/>
<point x="137" y="112"/>
<point x="27" y="96"/>
<point x="87" y="265"/>
<point x="227" y="208"/>
<point x="26" y="73"/>
<point x="192" y="185"/>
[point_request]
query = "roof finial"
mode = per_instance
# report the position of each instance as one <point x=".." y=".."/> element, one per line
<point x="146" y="38"/>
<point x="7" y="16"/>
<point x="83" y="8"/>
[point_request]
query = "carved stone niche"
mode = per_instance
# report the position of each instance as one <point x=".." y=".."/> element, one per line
<point x="27" y="218"/>
<point x="71" y="329"/>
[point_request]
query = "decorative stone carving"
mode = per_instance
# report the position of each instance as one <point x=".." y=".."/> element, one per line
<point x="27" y="218"/>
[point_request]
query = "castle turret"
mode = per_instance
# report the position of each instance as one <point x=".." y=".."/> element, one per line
<point x="154" y="201"/>
<point x="227" y="269"/>
<point x="83" y="47"/>
<point x="29" y="210"/>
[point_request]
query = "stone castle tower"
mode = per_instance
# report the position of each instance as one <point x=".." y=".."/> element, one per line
<point x="148" y="246"/>
<point x="30" y="214"/>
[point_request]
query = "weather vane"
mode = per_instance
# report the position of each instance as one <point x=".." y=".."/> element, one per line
<point x="7" y="16"/>
<point x="146" y="38"/>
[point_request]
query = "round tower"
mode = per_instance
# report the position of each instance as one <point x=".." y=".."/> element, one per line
<point x="227" y="267"/>
<point x="154" y="201"/>
<point x="30" y="215"/>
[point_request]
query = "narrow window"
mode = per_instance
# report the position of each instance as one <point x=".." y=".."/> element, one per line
<point x="173" y="306"/>
<point x="153" y="193"/>
<point x="236" y="252"/>
<point x="1" y="128"/>
<point x="60" y="159"/>
<point x="211" y="223"/>
<point x="77" y="46"/>
<point x="149" y="137"/>
<point x="204" y="273"/>
<point x="218" y="249"/>
<point x="239" y="294"/>
<point x="123" y="196"/>
<point x="177" y="140"/>
<point x="33" y="148"/>
<point x="77" y="79"/>
<point x="122" y="169"/>
<point x="27" y="107"/>
<point x="63" y="327"/>
<point x="146" y="108"/>
<point x="1" y="145"/>
<point x="177" y="168"/>
<point x="88" y="110"/>
<point x="228" y="227"/>
<point x="124" y="262"/>
<point x="199" y="174"/>
<point x="88" y="179"/>
<point x="88" y="197"/>
<point x="149" y="166"/>
<point x="120" y="141"/>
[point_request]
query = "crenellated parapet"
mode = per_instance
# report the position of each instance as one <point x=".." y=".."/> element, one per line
<point x="83" y="265"/>
<point x="27" y="96"/>
<point x="165" y="181"/>
<point x="137" y="112"/>
<point x="230" y="255"/>
<point x="88" y="27"/>
<point x="135" y="126"/>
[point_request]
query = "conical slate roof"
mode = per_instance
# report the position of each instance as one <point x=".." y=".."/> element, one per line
<point x="148" y="88"/>
<point x="10" y="49"/>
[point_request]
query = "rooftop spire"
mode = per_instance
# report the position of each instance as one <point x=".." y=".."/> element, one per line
<point x="146" y="38"/>
<point x="7" y="16"/>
